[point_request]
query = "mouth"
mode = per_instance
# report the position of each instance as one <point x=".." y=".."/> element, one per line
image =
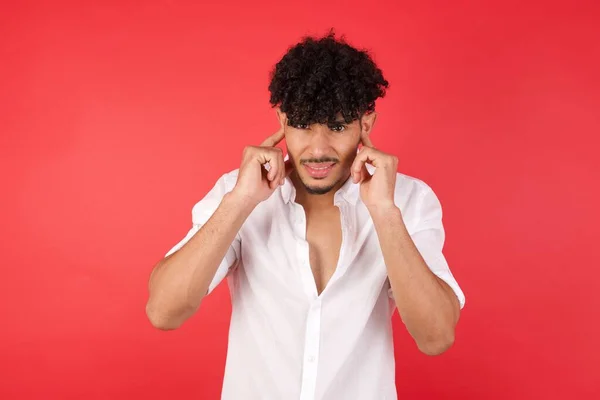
<point x="319" y="170"/>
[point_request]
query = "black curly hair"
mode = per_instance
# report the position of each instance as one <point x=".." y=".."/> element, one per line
<point x="319" y="78"/>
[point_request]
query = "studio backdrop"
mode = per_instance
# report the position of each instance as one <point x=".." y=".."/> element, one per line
<point x="116" y="117"/>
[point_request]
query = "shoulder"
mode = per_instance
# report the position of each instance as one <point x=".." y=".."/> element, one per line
<point x="211" y="199"/>
<point x="226" y="182"/>
<point x="411" y="186"/>
<point x="230" y="178"/>
<point x="415" y="198"/>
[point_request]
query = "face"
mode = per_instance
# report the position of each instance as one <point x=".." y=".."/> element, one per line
<point x="322" y="155"/>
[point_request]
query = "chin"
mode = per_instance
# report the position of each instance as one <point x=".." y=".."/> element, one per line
<point x="318" y="189"/>
<point x="318" y="186"/>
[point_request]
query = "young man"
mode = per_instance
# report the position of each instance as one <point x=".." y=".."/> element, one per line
<point x="319" y="248"/>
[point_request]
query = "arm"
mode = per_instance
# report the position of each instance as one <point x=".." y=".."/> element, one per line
<point x="428" y="307"/>
<point x="179" y="282"/>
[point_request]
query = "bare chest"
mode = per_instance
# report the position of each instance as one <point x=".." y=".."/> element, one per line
<point x="324" y="236"/>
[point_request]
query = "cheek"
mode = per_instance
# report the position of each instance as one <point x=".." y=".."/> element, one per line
<point x="291" y="147"/>
<point x="347" y="159"/>
<point x="349" y="148"/>
<point x="293" y="141"/>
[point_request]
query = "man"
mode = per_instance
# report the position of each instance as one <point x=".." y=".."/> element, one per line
<point x="319" y="247"/>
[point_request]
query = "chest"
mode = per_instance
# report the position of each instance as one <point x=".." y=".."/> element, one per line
<point x="324" y="237"/>
<point x="292" y="252"/>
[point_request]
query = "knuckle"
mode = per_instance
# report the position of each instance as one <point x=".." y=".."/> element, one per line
<point x="275" y="152"/>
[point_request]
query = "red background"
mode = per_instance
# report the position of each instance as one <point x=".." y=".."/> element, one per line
<point x="116" y="117"/>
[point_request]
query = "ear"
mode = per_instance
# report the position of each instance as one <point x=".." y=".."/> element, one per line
<point x="281" y="117"/>
<point x="367" y="123"/>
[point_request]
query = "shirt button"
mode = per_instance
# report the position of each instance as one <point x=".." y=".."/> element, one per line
<point x="311" y="359"/>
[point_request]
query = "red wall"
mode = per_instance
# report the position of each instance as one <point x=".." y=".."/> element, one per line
<point x="116" y="118"/>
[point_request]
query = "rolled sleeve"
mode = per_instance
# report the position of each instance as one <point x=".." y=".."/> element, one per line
<point x="201" y="212"/>
<point x="429" y="237"/>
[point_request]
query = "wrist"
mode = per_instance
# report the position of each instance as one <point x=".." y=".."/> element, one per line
<point x="240" y="202"/>
<point x="384" y="212"/>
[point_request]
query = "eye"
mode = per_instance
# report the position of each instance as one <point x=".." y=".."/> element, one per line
<point x="338" y="128"/>
<point x="301" y="126"/>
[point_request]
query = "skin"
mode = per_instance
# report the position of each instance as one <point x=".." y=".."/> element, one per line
<point x="311" y="144"/>
<point x="426" y="304"/>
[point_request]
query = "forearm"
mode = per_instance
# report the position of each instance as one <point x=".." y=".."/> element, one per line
<point x="427" y="306"/>
<point x="179" y="282"/>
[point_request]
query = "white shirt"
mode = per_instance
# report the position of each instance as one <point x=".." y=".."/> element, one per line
<point x="285" y="340"/>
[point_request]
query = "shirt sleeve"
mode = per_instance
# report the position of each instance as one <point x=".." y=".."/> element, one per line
<point x="429" y="237"/>
<point x="201" y="212"/>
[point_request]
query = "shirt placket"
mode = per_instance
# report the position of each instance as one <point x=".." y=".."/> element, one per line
<point x="312" y="336"/>
<point x="311" y="351"/>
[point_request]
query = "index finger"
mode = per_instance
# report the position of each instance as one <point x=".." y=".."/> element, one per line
<point x="275" y="138"/>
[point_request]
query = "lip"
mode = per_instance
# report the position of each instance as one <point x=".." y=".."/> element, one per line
<point x="319" y="171"/>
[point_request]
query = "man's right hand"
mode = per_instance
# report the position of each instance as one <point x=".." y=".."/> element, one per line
<point x="254" y="183"/>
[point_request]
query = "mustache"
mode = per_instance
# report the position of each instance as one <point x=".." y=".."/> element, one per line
<point x="319" y="160"/>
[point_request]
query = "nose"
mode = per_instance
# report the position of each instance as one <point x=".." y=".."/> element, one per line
<point x="319" y="143"/>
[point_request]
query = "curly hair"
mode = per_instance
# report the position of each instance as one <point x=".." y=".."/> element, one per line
<point x="319" y="78"/>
